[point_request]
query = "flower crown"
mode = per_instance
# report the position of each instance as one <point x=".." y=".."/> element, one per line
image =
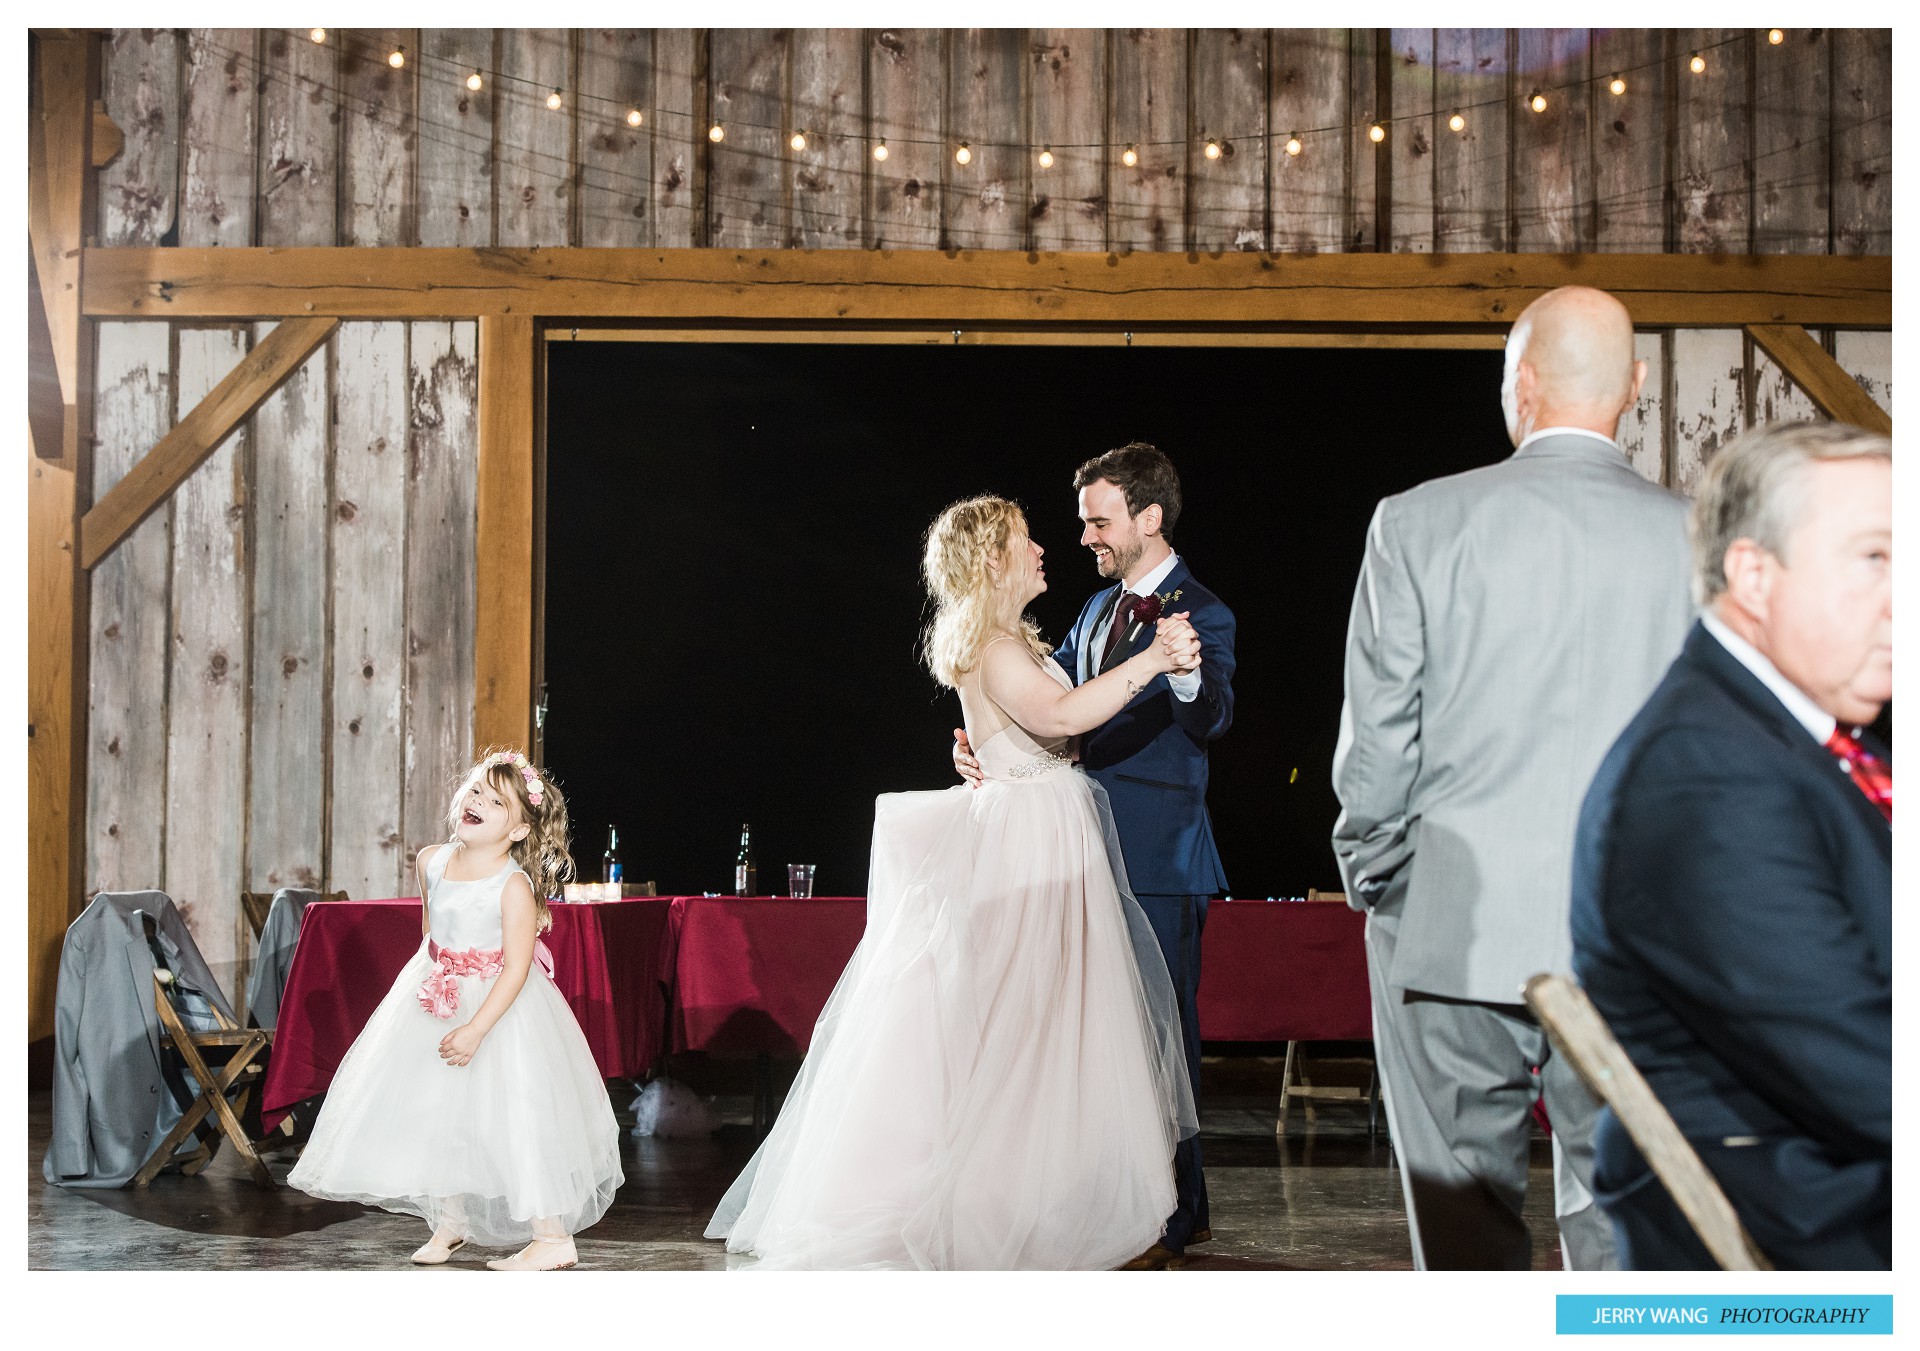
<point x="535" y="789"/>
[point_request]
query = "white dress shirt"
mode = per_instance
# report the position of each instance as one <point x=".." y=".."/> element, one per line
<point x="1186" y="688"/>
<point x="1565" y="431"/>
<point x="1818" y="722"/>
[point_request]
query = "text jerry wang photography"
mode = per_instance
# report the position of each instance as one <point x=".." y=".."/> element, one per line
<point x="720" y="650"/>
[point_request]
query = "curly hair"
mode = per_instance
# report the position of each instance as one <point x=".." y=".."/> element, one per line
<point x="967" y="611"/>
<point x="544" y="852"/>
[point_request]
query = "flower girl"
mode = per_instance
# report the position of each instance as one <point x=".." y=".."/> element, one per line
<point x="470" y="1098"/>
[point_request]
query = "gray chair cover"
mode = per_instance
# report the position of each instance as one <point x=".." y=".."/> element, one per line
<point x="111" y="1096"/>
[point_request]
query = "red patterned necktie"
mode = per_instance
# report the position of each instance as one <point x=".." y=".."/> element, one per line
<point x="1123" y="614"/>
<point x="1871" y="775"/>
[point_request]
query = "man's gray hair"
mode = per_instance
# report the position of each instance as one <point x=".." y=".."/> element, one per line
<point x="1754" y="489"/>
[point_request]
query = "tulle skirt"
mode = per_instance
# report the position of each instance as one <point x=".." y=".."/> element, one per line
<point x="997" y="1081"/>
<point x="522" y="1133"/>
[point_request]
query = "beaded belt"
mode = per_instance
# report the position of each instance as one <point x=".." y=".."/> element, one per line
<point x="1046" y="764"/>
<point x="440" y="992"/>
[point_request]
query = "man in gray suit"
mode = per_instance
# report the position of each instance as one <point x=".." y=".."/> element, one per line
<point x="1507" y="623"/>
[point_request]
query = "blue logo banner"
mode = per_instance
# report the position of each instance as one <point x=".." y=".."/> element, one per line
<point x="1667" y="1315"/>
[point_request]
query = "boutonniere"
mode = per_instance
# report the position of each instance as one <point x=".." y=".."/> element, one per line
<point x="1166" y="601"/>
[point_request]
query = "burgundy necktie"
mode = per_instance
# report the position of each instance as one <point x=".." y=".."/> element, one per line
<point x="1123" y="614"/>
<point x="1871" y="775"/>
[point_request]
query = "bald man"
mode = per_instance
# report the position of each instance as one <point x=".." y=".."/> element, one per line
<point x="1507" y="624"/>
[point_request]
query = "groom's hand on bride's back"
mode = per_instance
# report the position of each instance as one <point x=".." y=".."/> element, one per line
<point x="964" y="764"/>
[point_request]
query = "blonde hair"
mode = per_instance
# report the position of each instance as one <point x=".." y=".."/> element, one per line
<point x="544" y="852"/>
<point x="968" y="609"/>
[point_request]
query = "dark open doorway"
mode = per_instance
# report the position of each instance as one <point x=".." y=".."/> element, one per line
<point x="733" y="601"/>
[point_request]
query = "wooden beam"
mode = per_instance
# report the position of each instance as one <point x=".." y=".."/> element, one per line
<point x="503" y="637"/>
<point x="853" y="287"/>
<point x="197" y="435"/>
<point x="1826" y="382"/>
<point x="1026" y="337"/>
<point x="108" y="139"/>
<point x="46" y="410"/>
<point x="64" y="78"/>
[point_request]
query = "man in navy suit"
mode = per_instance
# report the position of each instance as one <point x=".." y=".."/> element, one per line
<point x="1152" y="757"/>
<point x="1732" y="906"/>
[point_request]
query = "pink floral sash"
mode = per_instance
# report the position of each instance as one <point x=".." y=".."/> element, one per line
<point x="440" y="991"/>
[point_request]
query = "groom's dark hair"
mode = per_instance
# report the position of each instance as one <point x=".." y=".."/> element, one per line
<point x="1144" y="473"/>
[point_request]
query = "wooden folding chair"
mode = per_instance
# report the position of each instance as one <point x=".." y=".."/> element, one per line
<point x="223" y="1096"/>
<point x="1583" y="1037"/>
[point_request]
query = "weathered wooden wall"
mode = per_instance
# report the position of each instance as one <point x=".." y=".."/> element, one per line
<point x="282" y="660"/>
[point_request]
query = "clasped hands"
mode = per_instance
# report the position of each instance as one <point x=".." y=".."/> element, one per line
<point x="1176" y="644"/>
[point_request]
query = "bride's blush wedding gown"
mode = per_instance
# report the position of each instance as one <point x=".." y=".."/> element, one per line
<point x="997" y="1081"/>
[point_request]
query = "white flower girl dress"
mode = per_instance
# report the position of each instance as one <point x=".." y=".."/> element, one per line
<point x="523" y="1133"/>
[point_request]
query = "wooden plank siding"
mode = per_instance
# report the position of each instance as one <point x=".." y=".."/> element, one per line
<point x="336" y="529"/>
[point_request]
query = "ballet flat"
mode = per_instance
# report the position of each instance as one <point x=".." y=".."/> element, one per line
<point x="433" y="1254"/>
<point x="564" y="1256"/>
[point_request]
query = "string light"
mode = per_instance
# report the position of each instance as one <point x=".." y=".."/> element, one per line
<point x="1776" y="36"/>
<point x="1538" y="102"/>
<point x="1213" y="148"/>
<point x="1617" y="85"/>
<point x="1697" y="64"/>
<point x="1457" y="123"/>
<point x="880" y="150"/>
<point x="1046" y="157"/>
<point x="716" y="133"/>
<point x="317" y="34"/>
<point x="633" y="117"/>
<point x="1376" y="133"/>
<point x="1129" y="157"/>
<point x="964" y="155"/>
<point x="397" y="57"/>
<point x="798" y="140"/>
<point x="1293" y="144"/>
<point x="474" y="82"/>
<point x="554" y="100"/>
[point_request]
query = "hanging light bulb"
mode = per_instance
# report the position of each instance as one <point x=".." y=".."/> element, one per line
<point x="1046" y="157"/>
<point x="1129" y="157"/>
<point x="1697" y="64"/>
<point x="1776" y="36"/>
<point x="716" y="133"/>
<point x="554" y="100"/>
<point x="1293" y="146"/>
<point x="1376" y="133"/>
<point x="397" y="57"/>
<point x="317" y="34"/>
<point x="1213" y="148"/>
<point x="474" y="82"/>
<point x="633" y="117"/>
<point x="964" y="155"/>
<point x="1617" y="85"/>
<point x="880" y="150"/>
<point x="798" y="140"/>
<point x="1538" y="102"/>
<point x="1457" y="123"/>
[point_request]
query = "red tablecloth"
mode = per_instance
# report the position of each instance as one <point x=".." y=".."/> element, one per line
<point x="751" y="973"/>
<point x="607" y="958"/>
<point x="1284" y="971"/>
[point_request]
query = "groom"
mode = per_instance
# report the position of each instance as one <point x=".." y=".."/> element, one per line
<point x="1152" y="756"/>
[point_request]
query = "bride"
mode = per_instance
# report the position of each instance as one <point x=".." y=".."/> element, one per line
<point x="997" y="1081"/>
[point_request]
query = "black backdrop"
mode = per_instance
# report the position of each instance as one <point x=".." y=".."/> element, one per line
<point x="733" y="599"/>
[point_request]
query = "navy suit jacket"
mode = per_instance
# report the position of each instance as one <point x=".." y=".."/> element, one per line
<point x="1732" y="921"/>
<point x="1152" y="755"/>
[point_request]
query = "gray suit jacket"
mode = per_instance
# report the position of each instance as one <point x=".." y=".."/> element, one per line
<point x="1508" y="622"/>
<point x="277" y="939"/>
<point x="112" y="1096"/>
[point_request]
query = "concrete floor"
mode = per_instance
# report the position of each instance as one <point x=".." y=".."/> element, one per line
<point x="1323" y="1197"/>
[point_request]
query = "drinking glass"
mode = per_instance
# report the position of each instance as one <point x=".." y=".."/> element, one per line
<point x="800" y="881"/>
